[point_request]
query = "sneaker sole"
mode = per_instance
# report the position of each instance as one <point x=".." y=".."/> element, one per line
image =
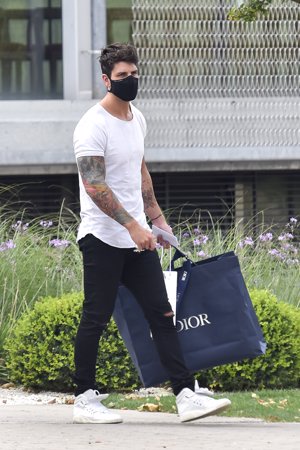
<point x="103" y="421"/>
<point x="194" y="415"/>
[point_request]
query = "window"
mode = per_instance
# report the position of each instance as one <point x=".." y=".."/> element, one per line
<point x="30" y="49"/>
<point x="119" y="18"/>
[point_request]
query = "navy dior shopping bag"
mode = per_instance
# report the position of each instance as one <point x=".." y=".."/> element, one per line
<point x="215" y="319"/>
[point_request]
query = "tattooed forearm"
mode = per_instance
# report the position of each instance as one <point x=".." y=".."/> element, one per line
<point x="150" y="204"/>
<point x="149" y="198"/>
<point x="147" y="191"/>
<point x="92" y="171"/>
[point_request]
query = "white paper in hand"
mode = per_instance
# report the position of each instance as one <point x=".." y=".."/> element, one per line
<point x="168" y="237"/>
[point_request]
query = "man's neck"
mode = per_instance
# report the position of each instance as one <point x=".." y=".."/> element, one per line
<point x="116" y="107"/>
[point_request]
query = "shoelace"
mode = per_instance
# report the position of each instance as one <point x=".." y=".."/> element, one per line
<point x="96" y="409"/>
<point x="199" y="400"/>
<point x="93" y="406"/>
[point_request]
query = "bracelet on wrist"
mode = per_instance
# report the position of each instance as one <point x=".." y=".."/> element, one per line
<point x="160" y="215"/>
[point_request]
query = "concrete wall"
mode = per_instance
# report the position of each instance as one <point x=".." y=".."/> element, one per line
<point x="36" y="137"/>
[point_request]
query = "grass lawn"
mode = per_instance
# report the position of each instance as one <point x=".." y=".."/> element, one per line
<point x="269" y="405"/>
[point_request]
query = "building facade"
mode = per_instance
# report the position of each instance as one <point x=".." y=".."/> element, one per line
<point x="221" y="99"/>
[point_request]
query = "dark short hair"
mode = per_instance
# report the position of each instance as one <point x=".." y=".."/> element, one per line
<point x="114" y="53"/>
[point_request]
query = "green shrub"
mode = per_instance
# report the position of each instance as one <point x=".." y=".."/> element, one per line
<point x="280" y="366"/>
<point x="40" y="350"/>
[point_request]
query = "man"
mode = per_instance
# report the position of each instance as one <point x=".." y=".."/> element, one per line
<point x="117" y="244"/>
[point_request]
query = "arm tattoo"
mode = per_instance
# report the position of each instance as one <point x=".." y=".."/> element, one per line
<point x="92" y="171"/>
<point x="149" y="198"/>
<point x="147" y="191"/>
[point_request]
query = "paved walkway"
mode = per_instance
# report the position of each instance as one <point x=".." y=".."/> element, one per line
<point x="50" y="427"/>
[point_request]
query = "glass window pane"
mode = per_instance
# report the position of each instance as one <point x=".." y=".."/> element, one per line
<point x="30" y="49"/>
<point x="119" y="21"/>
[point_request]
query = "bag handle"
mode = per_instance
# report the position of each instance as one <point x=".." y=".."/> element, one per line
<point x="177" y="255"/>
<point x="183" y="274"/>
<point x="182" y="280"/>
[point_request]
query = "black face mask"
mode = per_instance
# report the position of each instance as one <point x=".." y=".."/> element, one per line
<point x="125" y="89"/>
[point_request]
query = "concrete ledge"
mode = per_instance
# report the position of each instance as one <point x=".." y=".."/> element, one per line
<point x="36" y="138"/>
<point x="223" y="166"/>
<point x="38" y="169"/>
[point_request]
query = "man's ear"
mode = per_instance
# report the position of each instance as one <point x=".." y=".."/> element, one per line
<point x="106" y="81"/>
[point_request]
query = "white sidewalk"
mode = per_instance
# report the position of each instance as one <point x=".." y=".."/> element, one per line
<point x="50" y="427"/>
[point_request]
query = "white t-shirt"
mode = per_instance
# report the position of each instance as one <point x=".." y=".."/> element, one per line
<point x="121" y="143"/>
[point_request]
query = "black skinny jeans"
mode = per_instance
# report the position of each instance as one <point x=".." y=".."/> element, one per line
<point x="104" y="268"/>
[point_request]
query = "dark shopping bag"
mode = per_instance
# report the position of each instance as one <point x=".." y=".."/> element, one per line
<point x="216" y="322"/>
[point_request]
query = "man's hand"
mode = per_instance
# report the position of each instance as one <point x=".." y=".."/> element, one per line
<point x="160" y="222"/>
<point x="143" y="238"/>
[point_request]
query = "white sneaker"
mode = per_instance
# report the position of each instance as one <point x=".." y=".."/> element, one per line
<point x="204" y="391"/>
<point x="89" y="409"/>
<point x="192" y="406"/>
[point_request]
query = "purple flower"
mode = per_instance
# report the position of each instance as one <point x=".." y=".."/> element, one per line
<point x="286" y="246"/>
<point x="46" y="223"/>
<point x="293" y="220"/>
<point x="10" y="244"/>
<point x="202" y="254"/>
<point x="273" y="252"/>
<point x="186" y="235"/>
<point x="59" y="243"/>
<point x="203" y="239"/>
<point x="197" y="231"/>
<point x="266" y="237"/>
<point x="247" y="241"/>
<point x="289" y="247"/>
<point x="276" y="253"/>
<point x="20" y="226"/>
<point x="285" y="236"/>
<point x="7" y="245"/>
